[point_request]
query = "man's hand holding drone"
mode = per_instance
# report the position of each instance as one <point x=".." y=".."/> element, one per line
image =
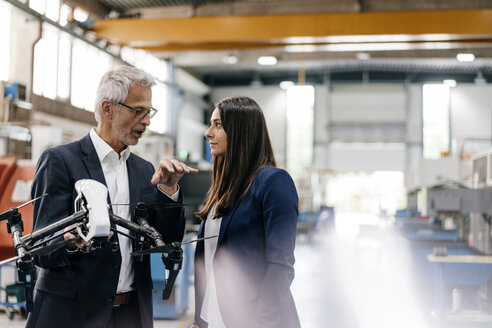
<point x="77" y="242"/>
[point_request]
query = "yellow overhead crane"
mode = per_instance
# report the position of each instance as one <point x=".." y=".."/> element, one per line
<point x="262" y="31"/>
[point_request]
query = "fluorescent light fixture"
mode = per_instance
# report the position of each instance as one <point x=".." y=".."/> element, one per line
<point x="363" y="56"/>
<point x="465" y="57"/>
<point x="267" y="60"/>
<point x="80" y="15"/>
<point x="286" y="84"/>
<point x="369" y="38"/>
<point x="229" y="59"/>
<point x="364" y="47"/>
<point x="450" y="83"/>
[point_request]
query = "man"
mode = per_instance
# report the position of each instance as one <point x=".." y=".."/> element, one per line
<point x="104" y="287"/>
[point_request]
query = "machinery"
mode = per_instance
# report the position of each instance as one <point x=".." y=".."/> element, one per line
<point x="462" y="283"/>
<point x="466" y="207"/>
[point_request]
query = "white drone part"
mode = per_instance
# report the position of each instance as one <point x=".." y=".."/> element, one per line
<point x="95" y="194"/>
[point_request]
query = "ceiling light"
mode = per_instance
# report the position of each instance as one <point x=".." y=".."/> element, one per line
<point x="450" y="83"/>
<point x="363" y="56"/>
<point x="465" y="57"/>
<point x="267" y="60"/>
<point x="286" y="84"/>
<point x="479" y="79"/>
<point x="229" y="59"/>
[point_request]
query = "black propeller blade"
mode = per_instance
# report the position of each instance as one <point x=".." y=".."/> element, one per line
<point x="8" y="214"/>
<point x="159" y="249"/>
<point x="47" y="250"/>
<point x="154" y="205"/>
<point x="169" y="248"/>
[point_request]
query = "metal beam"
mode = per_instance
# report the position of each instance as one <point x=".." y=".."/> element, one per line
<point x="323" y="46"/>
<point x="282" y="28"/>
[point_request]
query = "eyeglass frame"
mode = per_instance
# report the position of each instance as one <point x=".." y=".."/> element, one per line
<point x="138" y="111"/>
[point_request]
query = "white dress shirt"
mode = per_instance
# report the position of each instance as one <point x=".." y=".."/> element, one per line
<point x="116" y="176"/>
<point x="210" y="308"/>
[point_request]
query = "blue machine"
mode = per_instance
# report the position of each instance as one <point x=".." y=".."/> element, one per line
<point x="414" y="229"/>
<point x="15" y="291"/>
<point x="457" y="282"/>
<point x="177" y="304"/>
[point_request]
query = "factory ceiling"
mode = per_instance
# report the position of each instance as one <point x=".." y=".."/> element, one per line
<point x="312" y="40"/>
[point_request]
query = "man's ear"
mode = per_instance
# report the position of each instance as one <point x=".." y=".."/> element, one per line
<point x="107" y="109"/>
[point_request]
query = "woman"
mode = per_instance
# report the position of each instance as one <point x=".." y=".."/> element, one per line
<point x="242" y="278"/>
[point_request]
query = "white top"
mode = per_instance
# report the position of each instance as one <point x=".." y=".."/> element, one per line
<point x="116" y="176"/>
<point x="210" y="307"/>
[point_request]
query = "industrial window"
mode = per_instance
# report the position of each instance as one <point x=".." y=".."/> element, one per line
<point x="65" y="12"/>
<point x="5" y="42"/>
<point x="68" y="68"/>
<point x="146" y="62"/>
<point x="88" y="66"/>
<point x="436" y="132"/>
<point x="53" y="9"/>
<point x="46" y="63"/>
<point x="64" y="54"/>
<point x="160" y="96"/>
<point x="49" y="8"/>
<point x="300" y="120"/>
<point x="38" y="5"/>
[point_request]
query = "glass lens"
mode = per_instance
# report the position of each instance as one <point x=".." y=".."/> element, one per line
<point x="152" y="112"/>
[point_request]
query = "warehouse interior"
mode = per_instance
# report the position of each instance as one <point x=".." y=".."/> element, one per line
<point x="380" y="110"/>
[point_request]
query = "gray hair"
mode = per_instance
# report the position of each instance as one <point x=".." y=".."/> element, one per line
<point x="115" y="84"/>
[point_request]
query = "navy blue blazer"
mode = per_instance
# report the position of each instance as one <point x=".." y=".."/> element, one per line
<point x="77" y="290"/>
<point x="253" y="264"/>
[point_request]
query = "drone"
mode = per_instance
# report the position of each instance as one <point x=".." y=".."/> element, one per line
<point x="91" y="222"/>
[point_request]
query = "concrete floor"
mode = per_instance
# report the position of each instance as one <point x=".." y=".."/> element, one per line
<point x="359" y="276"/>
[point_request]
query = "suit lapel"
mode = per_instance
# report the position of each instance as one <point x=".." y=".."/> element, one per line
<point x="91" y="160"/>
<point x="133" y="183"/>
<point x="226" y="220"/>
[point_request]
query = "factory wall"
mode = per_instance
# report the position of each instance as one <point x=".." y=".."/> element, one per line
<point x="375" y="127"/>
<point x="345" y="105"/>
<point x="471" y="114"/>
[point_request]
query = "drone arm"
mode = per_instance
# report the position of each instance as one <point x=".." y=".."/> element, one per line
<point x="141" y="217"/>
<point x="155" y="235"/>
<point x="136" y="228"/>
<point x="54" y="227"/>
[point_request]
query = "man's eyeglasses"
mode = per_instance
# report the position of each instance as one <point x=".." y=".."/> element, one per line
<point x="141" y="113"/>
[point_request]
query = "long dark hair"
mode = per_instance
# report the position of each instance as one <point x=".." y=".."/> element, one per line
<point x="248" y="151"/>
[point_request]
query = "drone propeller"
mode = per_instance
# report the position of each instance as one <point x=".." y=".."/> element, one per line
<point x="154" y="205"/>
<point x="8" y="214"/>
<point x="47" y="250"/>
<point x="168" y="248"/>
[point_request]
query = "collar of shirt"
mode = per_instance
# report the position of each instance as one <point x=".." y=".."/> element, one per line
<point x="104" y="150"/>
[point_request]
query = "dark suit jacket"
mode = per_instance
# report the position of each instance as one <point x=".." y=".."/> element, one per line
<point x="253" y="264"/>
<point x="78" y="290"/>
